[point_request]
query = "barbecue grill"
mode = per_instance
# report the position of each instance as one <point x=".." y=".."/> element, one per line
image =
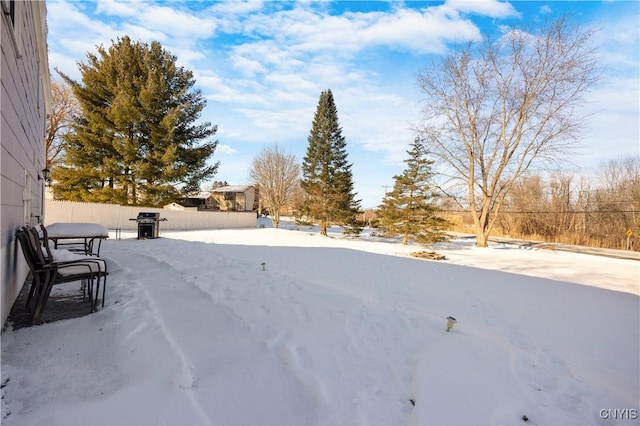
<point x="148" y="225"/>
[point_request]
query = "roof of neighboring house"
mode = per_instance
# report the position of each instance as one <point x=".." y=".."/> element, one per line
<point x="233" y="188"/>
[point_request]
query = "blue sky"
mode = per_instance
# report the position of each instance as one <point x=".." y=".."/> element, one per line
<point x="262" y="65"/>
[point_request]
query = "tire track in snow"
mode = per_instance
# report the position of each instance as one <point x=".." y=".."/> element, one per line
<point x="185" y="378"/>
<point x="228" y="303"/>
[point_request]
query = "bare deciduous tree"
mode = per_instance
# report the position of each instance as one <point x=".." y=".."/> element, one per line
<point x="617" y="201"/>
<point x="494" y="109"/>
<point x="278" y="175"/>
<point x="64" y="107"/>
<point x="600" y="209"/>
<point x="538" y="208"/>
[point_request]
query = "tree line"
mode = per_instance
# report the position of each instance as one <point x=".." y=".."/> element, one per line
<point x="494" y="111"/>
<point x="601" y="211"/>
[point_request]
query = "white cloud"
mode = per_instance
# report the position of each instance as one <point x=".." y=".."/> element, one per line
<point x="246" y="66"/>
<point x="377" y="121"/>
<point x="423" y="32"/>
<point x="138" y="32"/>
<point x="292" y="82"/>
<point x="76" y="33"/>
<point x="613" y="113"/>
<point x="305" y="29"/>
<point x="225" y="149"/>
<point x="174" y="20"/>
<point x="613" y="106"/>
<point x="279" y="119"/>
<point x="490" y="8"/>
<point x="218" y="89"/>
<point x="545" y="9"/>
<point x="187" y="57"/>
<point x="65" y="64"/>
<point x="242" y="7"/>
<point x="296" y="59"/>
<point x="123" y="9"/>
<point x="269" y="53"/>
<point x="177" y="23"/>
<point x="619" y="42"/>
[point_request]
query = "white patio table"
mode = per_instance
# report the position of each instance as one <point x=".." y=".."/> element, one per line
<point x="79" y="237"/>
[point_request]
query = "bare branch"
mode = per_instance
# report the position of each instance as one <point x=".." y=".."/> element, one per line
<point x="495" y="109"/>
<point x="278" y="176"/>
<point x="64" y="108"/>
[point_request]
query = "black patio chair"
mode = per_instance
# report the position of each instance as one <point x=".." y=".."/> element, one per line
<point x="46" y="275"/>
<point x="55" y="272"/>
<point x="100" y="263"/>
<point x="39" y="275"/>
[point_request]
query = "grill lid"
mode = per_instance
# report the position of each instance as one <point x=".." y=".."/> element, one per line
<point x="151" y="215"/>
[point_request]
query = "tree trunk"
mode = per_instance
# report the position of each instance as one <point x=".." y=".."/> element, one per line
<point x="323" y="227"/>
<point x="482" y="228"/>
<point x="482" y="239"/>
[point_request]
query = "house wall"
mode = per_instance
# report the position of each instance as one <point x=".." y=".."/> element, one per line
<point x="234" y="201"/>
<point x="24" y="98"/>
<point x="249" y="198"/>
<point x="113" y="216"/>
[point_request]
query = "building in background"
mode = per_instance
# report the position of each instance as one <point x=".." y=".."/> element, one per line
<point x="25" y="102"/>
<point x="236" y="198"/>
<point x="201" y="201"/>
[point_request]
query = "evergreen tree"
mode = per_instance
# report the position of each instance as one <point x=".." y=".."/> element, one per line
<point x="136" y="140"/>
<point x="327" y="178"/>
<point x="409" y="209"/>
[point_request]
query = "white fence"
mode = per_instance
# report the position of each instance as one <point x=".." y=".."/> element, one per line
<point x="114" y="216"/>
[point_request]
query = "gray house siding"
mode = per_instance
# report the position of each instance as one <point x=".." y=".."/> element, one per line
<point x="24" y="102"/>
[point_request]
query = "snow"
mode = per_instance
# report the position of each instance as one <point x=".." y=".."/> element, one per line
<point x="75" y="230"/>
<point x="331" y="330"/>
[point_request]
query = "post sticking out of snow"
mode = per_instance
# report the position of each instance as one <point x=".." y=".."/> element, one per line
<point x="264" y="266"/>
<point x="450" y="322"/>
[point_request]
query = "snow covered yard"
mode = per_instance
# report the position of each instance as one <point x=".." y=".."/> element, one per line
<point x="196" y="330"/>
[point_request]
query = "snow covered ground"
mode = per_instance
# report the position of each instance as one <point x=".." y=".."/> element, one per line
<point x="265" y="326"/>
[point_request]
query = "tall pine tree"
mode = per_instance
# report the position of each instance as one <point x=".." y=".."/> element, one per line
<point x="327" y="178"/>
<point x="409" y="209"/>
<point x="136" y="140"/>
